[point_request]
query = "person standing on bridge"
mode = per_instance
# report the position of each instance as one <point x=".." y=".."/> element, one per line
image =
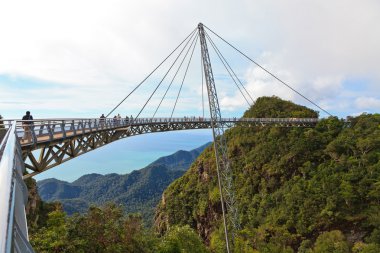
<point x="101" y="120"/>
<point x="118" y="119"/>
<point x="27" y="125"/>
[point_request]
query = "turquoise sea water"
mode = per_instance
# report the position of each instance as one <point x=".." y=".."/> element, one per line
<point x="129" y="154"/>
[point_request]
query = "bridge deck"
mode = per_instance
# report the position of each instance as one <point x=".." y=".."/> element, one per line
<point x="47" y="143"/>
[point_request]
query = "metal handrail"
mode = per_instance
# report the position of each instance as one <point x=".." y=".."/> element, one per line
<point x="29" y="131"/>
<point x="38" y="122"/>
<point x="12" y="196"/>
<point x="7" y="188"/>
<point x="109" y="123"/>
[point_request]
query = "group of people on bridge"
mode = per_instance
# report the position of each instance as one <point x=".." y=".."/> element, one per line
<point x="117" y="119"/>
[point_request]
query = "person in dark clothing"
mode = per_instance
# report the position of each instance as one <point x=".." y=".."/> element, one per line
<point x="27" y="125"/>
<point x="102" y="120"/>
<point x="27" y="116"/>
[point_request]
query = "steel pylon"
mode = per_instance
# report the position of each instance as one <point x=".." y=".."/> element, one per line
<point x="224" y="172"/>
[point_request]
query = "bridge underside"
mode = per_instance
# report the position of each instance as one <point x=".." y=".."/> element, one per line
<point x="48" y="154"/>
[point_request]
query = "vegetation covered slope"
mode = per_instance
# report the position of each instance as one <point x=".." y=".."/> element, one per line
<point x="298" y="189"/>
<point x="139" y="191"/>
<point x="109" y="229"/>
<point x="37" y="210"/>
<point x="105" y="228"/>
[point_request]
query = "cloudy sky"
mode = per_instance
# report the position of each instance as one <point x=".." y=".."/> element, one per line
<point x="80" y="58"/>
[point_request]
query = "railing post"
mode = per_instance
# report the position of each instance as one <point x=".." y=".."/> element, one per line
<point x="73" y="127"/>
<point x="53" y="128"/>
<point x="41" y="128"/>
<point x="63" y="129"/>
<point x="34" y="137"/>
<point x="49" y="131"/>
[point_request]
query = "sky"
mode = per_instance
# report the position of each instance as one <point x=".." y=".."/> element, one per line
<point x="72" y="59"/>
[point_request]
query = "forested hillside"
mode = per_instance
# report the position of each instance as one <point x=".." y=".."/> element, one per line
<point x="138" y="191"/>
<point x="103" y="228"/>
<point x="298" y="189"/>
<point x="107" y="229"/>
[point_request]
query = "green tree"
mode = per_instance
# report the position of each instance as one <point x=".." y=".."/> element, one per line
<point x="108" y="229"/>
<point x="52" y="237"/>
<point x="101" y="229"/>
<point x="181" y="239"/>
<point x="331" y="242"/>
<point x="217" y="240"/>
<point x="361" y="247"/>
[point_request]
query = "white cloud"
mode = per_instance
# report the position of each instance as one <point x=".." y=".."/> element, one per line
<point x="368" y="103"/>
<point x="98" y="50"/>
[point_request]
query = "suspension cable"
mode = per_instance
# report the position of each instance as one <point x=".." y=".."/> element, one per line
<point x="183" y="80"/>
<point x="267" y="71"/>
<point x="237" y="78"/>
<point x="167" y="72"/>
<point x="150" y="74"/>
<point x="171" y="82"/>
<point x="228" y="71"/>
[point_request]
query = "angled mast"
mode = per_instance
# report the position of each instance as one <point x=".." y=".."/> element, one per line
<point x="224" y="172"/>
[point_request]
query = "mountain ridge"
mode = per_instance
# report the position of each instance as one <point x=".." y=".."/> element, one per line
<point x="139" y="191"/>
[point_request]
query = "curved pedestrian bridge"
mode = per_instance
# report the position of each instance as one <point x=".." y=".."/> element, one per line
<point x="46" y="143"/>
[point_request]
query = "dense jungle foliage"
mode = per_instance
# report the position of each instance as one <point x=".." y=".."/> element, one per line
<point x="109" y="229"/>
<point x="298" y="189"/>
<point x="100" y="229"/>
